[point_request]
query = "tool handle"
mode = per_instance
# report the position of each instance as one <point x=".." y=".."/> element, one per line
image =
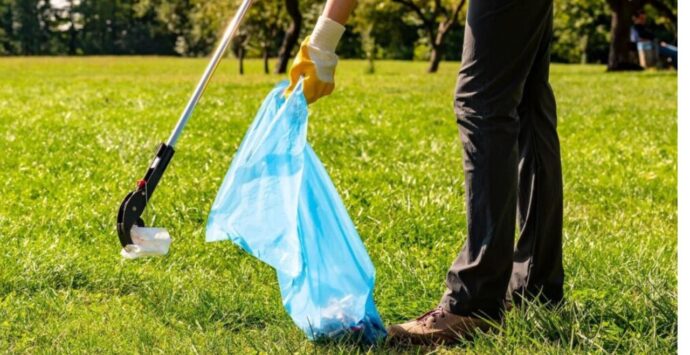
<point x="208" y="73"/>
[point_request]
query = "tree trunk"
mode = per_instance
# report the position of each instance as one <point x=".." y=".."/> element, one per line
<point x="621" y="21"/>
<point x="72" y="50"/>
<point x="435" y="59"/>
<point x="371" y="66"/>
<point x="291" y="35"/>
<point x="266" y="70"/>
<point x="437" y="47"/>
<point x="241" y="58"/>
<point x="584" y="44"/>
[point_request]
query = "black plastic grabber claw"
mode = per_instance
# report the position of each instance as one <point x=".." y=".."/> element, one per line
<point x="134" y="203"/>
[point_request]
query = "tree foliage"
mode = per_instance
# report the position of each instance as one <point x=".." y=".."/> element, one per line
<point x="580" y="31"/>
<point x="434" y="18"/>
<point x="389" y="29"/>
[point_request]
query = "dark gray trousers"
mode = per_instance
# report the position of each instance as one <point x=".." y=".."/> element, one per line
<point x="506" y="113"/>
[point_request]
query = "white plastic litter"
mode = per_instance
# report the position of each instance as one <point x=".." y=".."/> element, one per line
<point x="337" y="313"/>
<point x="147" y="242"/>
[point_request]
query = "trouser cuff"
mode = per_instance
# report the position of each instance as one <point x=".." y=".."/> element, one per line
<point x="491" y="310"/>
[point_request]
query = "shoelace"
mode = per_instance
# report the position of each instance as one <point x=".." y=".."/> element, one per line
<point x="433" y="314"/>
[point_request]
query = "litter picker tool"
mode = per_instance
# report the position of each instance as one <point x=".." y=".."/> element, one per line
<point x="137" y="240"/>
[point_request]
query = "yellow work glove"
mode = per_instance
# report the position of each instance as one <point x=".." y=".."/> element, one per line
<point x="316" y="60"/>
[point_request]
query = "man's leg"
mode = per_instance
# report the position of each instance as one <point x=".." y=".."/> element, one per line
<point x="504" y="41"/>
<point x="538" y="267"/>
<point x="477" y="280"/>
<point x="667" y="51"/>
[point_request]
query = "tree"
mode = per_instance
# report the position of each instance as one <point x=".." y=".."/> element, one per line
<point x="29" y="26"/>
<point x="580" y="31"/>
<point x="291" y="35"/>
<point x="8" y="41"/>
<point x="238" y="46"/>
<point x="383" y="34"/>
<point x="621" y="21"/>
<point x="436" y="17"/>
<point x="193" y="24"/>
<point x="669" y="10"/>
<point x="264" y="24"/>
<point x="65" y="22"/>
<point x="364" y="24"/>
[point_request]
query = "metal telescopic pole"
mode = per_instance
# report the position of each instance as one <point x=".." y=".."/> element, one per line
<point x="208" y="73"/>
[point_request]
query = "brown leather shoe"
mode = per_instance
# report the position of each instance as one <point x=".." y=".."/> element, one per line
<point x="436" y="327"/>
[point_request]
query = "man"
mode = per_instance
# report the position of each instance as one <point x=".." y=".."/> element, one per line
<point x="640" y="35"/>
<point x="506" y="113"/>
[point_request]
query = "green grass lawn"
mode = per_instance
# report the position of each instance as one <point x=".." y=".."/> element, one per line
<point x="75" y="135"/>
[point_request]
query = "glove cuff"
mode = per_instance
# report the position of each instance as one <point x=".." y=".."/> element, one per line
<point x="326" y="34"/>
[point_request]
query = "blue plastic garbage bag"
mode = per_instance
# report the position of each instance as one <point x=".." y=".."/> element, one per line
<point x="278" y="203"/>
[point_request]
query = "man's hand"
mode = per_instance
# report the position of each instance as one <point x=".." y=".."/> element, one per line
<point x="316" y="60"/>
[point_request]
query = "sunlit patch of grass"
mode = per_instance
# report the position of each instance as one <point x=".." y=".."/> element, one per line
<point x="76" y="133"/>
